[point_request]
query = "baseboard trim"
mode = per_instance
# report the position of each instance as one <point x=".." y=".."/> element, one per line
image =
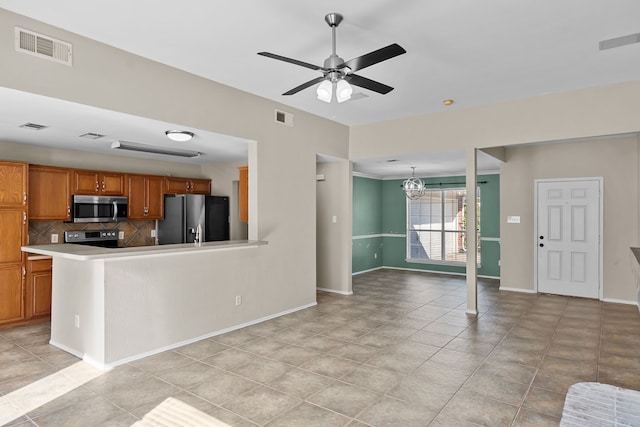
<point x="419" y="270"/>
<point x="355" y="273"/>
<point x="334" y="291"/>
<point x="524" y="291"/>
<point x="619" y="301"/>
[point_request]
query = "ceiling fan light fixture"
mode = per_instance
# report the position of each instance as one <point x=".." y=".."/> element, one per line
<point x="179" y="135"/>
<point x="325" y="91"/>
<point x="343" y="91"/>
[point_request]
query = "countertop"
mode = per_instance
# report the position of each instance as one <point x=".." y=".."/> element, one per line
<point x="83" y="252"/>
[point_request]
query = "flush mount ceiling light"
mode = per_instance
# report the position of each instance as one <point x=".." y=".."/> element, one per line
<point x="179" y="135"/>
<point x="413" y="187"/>
<point x="143" y="148"/>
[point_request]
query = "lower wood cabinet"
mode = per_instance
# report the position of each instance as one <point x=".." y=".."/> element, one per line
<point x="38" y="287"/>
<point x="11" y="292"/>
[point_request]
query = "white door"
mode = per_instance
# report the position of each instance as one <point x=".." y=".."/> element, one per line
<point x="568" y="237"/>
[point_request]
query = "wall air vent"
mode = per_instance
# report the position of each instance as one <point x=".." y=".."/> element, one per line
<point x="43" y="46"/>
<point x="284" y="118"/>
<point x="33" y="126"/>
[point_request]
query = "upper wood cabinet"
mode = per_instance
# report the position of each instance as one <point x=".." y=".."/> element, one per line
<point x="49" y="193"/>
<point x="98" y="183"/>
<point x="243" y="193"/>
<point x="175" y="185"/>
<point x="146" y="198"/>
<point x="13" y="184"/>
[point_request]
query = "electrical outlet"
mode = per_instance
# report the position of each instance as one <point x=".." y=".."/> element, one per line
<point x="76" y="321"/>
<point x="238" y="300"/>
<point x="54" y="238"/>
<point x="154" y="233"/>
<point x="120" y="235"/>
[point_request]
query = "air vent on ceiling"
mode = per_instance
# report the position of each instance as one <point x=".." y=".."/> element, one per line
<point x="33" y="126"/>
<point x="284" y="118"/>
<point x="91" y="135"/>
<point x="43" y="46"/>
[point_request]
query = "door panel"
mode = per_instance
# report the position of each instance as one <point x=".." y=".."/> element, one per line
<point x="568" y="242"/>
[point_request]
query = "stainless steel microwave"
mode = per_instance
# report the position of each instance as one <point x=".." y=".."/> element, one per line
<point x="99" y="208"/>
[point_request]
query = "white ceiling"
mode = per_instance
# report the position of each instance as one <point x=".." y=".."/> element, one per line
<point x="473" y="52"/>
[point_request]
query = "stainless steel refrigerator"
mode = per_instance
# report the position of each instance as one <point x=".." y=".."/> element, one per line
<point x="183" y="213"/>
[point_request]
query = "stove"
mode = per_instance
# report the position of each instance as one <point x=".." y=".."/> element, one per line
<point x="101" y="238"/>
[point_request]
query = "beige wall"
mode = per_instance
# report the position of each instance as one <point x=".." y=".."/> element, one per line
<point x="333" y="195"/>
<point x="282" y="160"/>
<point x="614" y="159"/>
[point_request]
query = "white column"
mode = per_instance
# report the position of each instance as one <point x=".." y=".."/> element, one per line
<point x="472" y="221"/>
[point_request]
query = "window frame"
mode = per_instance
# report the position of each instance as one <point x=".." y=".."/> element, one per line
<point x="442" y="230"/>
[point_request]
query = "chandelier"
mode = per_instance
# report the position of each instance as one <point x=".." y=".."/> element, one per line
<point x="413" y="187"/>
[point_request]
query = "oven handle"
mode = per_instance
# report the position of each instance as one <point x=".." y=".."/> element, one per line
<point x="115" y="210"/>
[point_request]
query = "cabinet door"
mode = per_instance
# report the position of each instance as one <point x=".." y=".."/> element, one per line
<point x="13" y="230"/>
<point x="86" y="182"/>
<point x="11" y="293"/>
<point x="136" y="191"/>
<point x="201" y="186"/>
<point x="176" y="185"/>
<point x="49" y="193"/>
<point x="111" y="184"/>
<point x="13" y="184"/>
<point x="243" y="194"/>
<point x="39" y="291"/>
<point x="155" y="198"/>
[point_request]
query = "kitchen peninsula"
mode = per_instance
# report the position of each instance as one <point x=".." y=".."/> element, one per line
<point x="111" y="306"/>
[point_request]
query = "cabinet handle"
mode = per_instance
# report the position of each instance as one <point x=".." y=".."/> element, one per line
<point x="24" y="217"/>
<point x="24" y="272"/>
<point x="24" y="198"/>
<point x="97" y="186"/>
<point x="103" y="186"/>
<point x="68" y="211"/>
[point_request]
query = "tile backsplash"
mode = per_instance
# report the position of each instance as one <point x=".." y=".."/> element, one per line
<point x="136" y="233"/>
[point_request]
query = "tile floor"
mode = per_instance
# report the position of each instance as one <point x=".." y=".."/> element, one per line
<point x="400" y="352"/>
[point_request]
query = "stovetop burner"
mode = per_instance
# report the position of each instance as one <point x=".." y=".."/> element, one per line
<point x="101" y="238"/>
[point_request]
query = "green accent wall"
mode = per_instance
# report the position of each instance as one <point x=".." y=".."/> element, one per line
<point x="367" y="220"/>
<point x="390" y="251"/>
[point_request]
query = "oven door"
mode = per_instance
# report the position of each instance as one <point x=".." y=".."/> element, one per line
<point x="99" y="209"/>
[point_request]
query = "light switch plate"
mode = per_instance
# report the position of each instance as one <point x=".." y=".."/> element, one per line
<point x="513" y="220"/>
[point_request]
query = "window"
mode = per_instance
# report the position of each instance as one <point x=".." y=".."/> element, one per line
<point x="436" y="227"/>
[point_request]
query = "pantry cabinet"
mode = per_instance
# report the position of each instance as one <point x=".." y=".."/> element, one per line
<point x="13" y="229"/>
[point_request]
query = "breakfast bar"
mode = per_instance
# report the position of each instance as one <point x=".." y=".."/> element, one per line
<point x="113" y="305"/>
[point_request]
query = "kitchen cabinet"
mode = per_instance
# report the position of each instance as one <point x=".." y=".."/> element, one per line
<point x="38" y="287"/>
<point x="243" y="193"/>
<point x="175" y="185"/>
<point x="13" y="184"/>
<point x="146" y="196"/>
<point x="49" y="193"/>
<point x="13" y="229"/>
<point x="90" y="182"/>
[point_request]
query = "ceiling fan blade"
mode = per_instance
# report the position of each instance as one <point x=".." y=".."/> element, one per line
<point x="366" y="83"/>
<point x="292" y="61"/>
<point x="374" y="57"/>
<point x="304" y="85"/>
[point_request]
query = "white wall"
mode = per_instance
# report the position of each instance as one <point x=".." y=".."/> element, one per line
<point x="282" y="160"/>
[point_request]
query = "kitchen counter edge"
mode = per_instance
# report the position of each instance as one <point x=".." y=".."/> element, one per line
<point x="85" y="253"/>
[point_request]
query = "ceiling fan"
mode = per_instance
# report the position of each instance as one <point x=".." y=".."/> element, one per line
<point x="338" y="73"/>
